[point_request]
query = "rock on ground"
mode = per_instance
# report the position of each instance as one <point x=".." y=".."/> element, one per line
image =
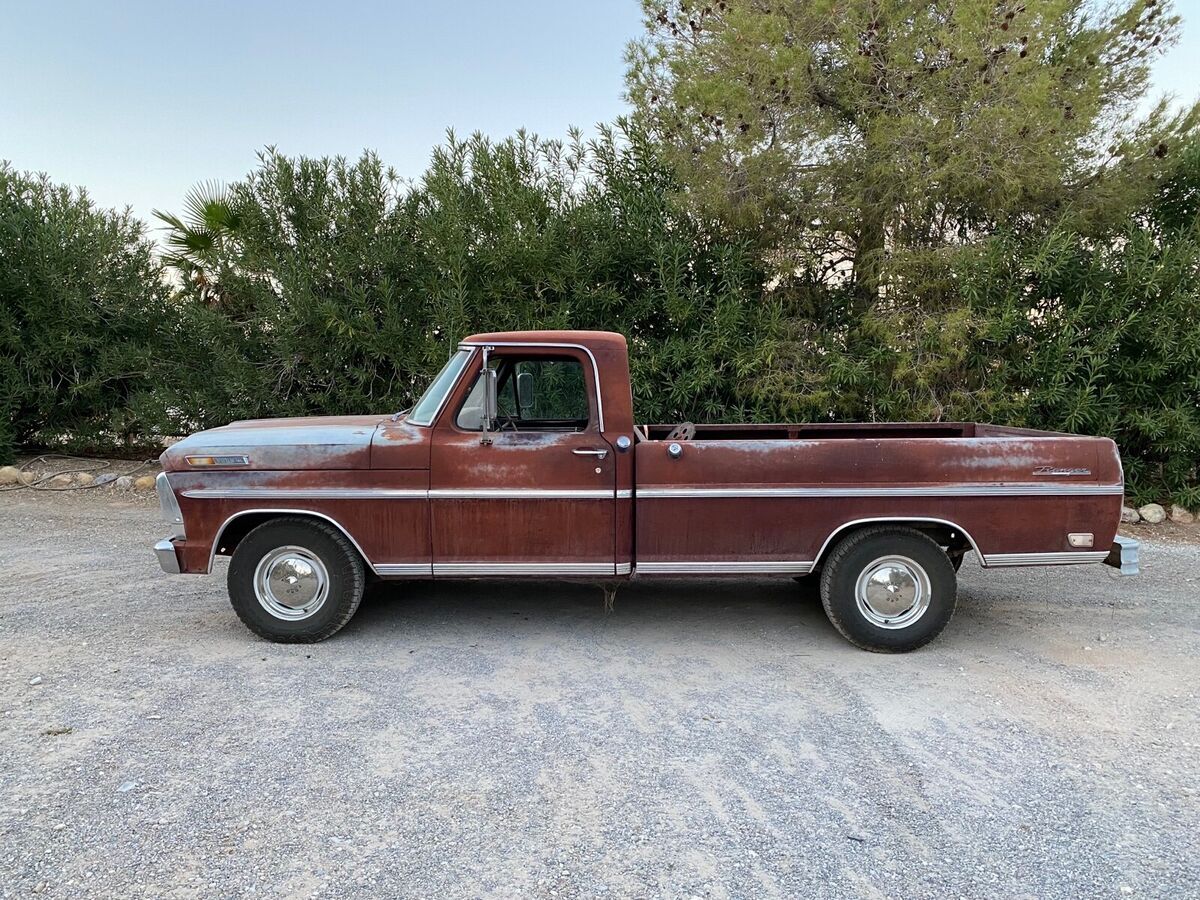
<point x="1181" y="515"/>
<point x="124" y="483"/>
<point x="145" y="483"/>
<point x="1152" y="513"/>
<point x="1129" y="515"/>
<point x="10" y="475"/>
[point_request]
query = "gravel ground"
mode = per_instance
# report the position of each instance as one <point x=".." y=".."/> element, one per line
<point x="471" y="739"/>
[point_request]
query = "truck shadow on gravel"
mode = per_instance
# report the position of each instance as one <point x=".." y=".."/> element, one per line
<point x="719" y="609"/>
<point x="1004" y="609"/>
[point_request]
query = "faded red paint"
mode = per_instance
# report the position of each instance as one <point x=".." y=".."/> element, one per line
<point x="375" y="455"/>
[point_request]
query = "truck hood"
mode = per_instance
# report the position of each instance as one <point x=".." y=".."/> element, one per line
<point x="317" y="442"/>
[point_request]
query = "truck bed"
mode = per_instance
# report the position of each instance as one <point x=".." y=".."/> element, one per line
<point x="748" y="498"/>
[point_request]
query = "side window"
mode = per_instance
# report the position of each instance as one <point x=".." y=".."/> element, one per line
<point x="531" y="395"/>
<point x="554" y="391"/>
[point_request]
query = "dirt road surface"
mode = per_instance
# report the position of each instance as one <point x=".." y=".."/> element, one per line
<point x="477" y="739"/>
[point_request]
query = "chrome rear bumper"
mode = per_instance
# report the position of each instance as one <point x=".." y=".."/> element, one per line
<point x="1124" y="555"/>
<point x="167" y="558"/>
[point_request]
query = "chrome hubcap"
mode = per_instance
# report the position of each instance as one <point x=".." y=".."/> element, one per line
<point x="893" y="592"/>
<point x="291" y="583"/>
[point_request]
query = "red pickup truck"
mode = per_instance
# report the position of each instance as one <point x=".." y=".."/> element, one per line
<point x="523" y="460"/>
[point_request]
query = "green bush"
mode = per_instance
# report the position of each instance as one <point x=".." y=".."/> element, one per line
<point x="82" y="302"/>
<point x="1103" y="336"/>
<point x="334" y="287"/>
<point x="1094" y="334"/>
<point x="343" y="289"/>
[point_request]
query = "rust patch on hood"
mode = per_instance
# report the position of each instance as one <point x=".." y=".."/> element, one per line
<point x="315" y="442"/>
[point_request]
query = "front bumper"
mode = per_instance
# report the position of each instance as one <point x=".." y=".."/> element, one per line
<point x="1124" y="555"/>
<point x="167" y="557"/>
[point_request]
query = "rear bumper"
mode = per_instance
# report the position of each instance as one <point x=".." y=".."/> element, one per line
<point x="1124" y="555"/>
<point x="167" y="557"/>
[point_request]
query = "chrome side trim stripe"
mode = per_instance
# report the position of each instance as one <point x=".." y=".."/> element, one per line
<point x="499" y="568"/>
<point x="404" y="569"/>
<point x="1043" y="559"/>
<point x="517" y="494"/>
<point x="624" y="568"/>
<point x="944" y="490"/>
<point x="686" y="493"/>
<point x="417" y="569"/>
<point x="721" y="567"/>
<point x="262" y="493"/>
<point x="266" y="493"/>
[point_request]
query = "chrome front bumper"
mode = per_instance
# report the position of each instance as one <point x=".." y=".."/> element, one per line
<point x="1124" y="555"/>
<point x="167" y="558"/>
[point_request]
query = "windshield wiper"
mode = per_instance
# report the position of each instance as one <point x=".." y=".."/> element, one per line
<point x="403" y="412"/>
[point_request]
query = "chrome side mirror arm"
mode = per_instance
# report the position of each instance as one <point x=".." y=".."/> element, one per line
<point x="490" y="402"/>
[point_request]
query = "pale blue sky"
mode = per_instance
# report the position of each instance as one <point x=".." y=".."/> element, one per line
<point x="137" y="101"/>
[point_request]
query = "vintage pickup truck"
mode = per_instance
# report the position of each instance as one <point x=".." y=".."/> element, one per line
<point x="523" y="460"/>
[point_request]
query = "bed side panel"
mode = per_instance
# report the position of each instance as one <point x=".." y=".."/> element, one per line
<point x="779" y="501"/>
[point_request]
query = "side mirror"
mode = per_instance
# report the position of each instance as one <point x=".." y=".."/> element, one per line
<point x="490" y="405"/>
<point x="525" y="392"/>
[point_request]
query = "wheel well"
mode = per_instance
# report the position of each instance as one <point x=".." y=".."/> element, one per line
<point x="237" y="528"/>
<point x="241" y="524"/>
<point x="955" y="539"/>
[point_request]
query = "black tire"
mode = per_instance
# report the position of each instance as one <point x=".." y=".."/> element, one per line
<point x="344" y="579"/>
<point x="856" y="556"/>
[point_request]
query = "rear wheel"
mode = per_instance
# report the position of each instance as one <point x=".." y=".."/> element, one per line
<point x="295" y="580"/>
<point x="888" y="589"/>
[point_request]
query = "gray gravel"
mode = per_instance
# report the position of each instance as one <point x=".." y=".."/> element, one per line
<point x="471" y="739"/>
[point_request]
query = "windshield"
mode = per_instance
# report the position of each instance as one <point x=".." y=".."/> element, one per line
<point x="431" y="401"/>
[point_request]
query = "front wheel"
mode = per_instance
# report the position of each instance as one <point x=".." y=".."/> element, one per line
<point x="295" y="580"/>
<point x="889" y="589"/>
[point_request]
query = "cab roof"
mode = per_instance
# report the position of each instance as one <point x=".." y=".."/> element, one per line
<point x="590" y="339"/>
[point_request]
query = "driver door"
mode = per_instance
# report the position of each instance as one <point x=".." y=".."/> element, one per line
<point x="536" y="496"/>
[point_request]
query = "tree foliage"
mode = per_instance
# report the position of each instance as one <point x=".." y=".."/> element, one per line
<point x="345" y="288"/>
<point x="336" y="287"/>
<point x="82" y="303"/>
<point x="863" y="137"/>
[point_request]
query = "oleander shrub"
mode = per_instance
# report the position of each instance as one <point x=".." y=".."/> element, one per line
<point x="329" y="286"/>
<point x="343" y="288"/>
<point x="1102" y="335"/>
<point x="1048" y="328"/>
<point x="82" y="302"/>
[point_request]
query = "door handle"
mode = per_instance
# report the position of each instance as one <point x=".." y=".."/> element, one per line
<point x="599" y="454"/>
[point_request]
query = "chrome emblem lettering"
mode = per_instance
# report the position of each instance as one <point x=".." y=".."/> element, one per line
<point x="1056" y="470"/>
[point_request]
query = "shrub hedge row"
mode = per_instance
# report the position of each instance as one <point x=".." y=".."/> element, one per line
<point x="331" y="286"/>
